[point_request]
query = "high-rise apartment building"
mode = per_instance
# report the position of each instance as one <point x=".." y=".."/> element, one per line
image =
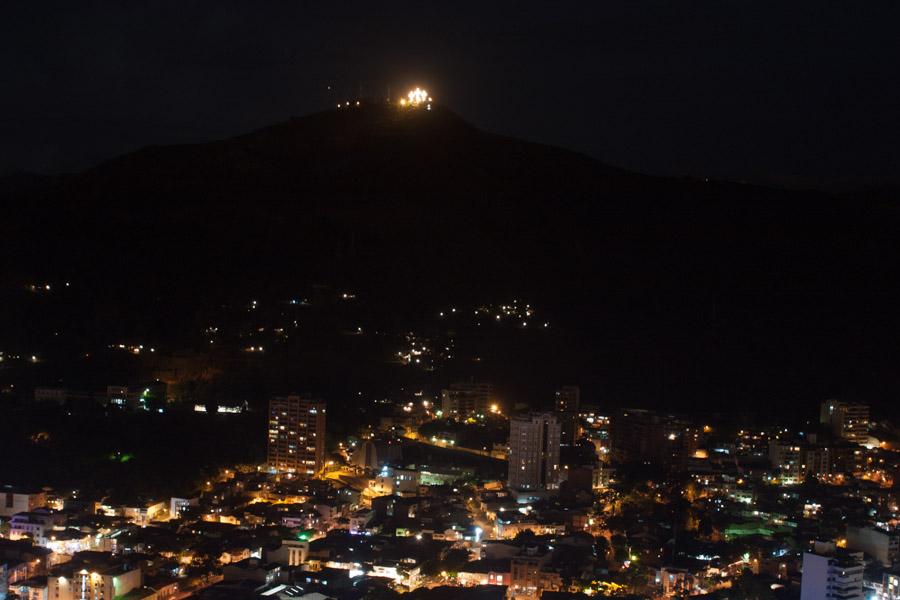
<point x="568" y="402"/>
<point x="882" y="545"/>
<point x="534" y="452"/>
<point x="836" y="577"/>
<point x="650" y="437"/>
<point x="468" y="398"/>
<point x="786" y="458"/>
<point x="568" y="399"/>
<point x="296" y="435"/>
<point x="848" y="420"/>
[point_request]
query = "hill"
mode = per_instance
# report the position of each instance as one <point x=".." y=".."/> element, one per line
<point x="672" y="291"/>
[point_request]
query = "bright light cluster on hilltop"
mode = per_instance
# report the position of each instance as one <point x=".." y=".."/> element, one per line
<point x="416" y="98"/>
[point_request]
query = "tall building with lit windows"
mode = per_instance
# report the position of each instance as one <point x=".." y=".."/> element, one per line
<point x="534" y="452"/>
<point x="568" y="402"/>
<point x="296" y="435"/>
<point x="466" y="399"/>
<point x="98" y="576"/>
<point x="848" y="420"/>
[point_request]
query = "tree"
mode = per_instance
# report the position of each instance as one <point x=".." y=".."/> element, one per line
<point x="526" y="535"/>
<point x="601" y="546"/>
<point x="751" y="587"/>
<point x="620" y="548"/>
<point x="454" y="560"/>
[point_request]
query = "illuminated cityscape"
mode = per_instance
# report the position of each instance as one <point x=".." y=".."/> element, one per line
<point x="449" y="302"/>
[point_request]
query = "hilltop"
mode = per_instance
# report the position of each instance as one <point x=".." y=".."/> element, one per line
<point x="675" y="287"/>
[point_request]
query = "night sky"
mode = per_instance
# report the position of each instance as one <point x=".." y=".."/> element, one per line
<point x="798" y="93"/>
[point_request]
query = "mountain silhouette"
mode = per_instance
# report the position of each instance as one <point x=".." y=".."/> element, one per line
<point x="678" y="289"/>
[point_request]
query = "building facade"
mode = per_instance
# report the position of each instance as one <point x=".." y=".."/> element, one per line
<point x="529" y="576"/>
<point x="647" y="436"/>
<point x="37" y="526"/>
<point x="847" y="420"/>
<point x="468" y="398"/>
<point x="92" y="582"/>
<point x="534" y="452"/>
<point x="296" y="435"/>
<point x="568" y="404"/>
<point x="837" y="577"/>
<point x="883" y="546"/>
<point x="890" y="586"/>
<point x="13" y="500"/>
<point x="786" y="458"/>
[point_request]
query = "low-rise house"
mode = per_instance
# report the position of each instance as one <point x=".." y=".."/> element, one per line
<point x="68" y="541"/>
<point x="530" y="575"/>
<point x="179" y="506"/>
<point x="672" y="581"/>
<point x="16" y="500"/>
<point x="290" y="553"/>
<point x="485" y="572"/>
<point x="325" y="579"/>
<point x="509" y="529"/>
<point x="34" y="559"/>
<point x="359" y="520"/>
<point x="234" y="555"/>
<point x="36" y="525"/>
<point x="165" y="587"/>
<point x="252" y="569"/>
<point x="33" y="588"/>
<point x="140" y="513"/>
<point x="95" y="575"/>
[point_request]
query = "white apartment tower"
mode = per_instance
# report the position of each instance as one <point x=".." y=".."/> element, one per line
<point x="838" y="577"/>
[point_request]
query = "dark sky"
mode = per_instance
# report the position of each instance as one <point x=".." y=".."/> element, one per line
<point x="799" y="92"/>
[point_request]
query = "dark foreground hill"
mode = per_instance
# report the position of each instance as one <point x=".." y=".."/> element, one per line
<point x="676" y="291"/>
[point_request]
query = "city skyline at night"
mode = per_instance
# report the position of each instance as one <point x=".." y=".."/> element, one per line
<point x="449" y="302"/>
